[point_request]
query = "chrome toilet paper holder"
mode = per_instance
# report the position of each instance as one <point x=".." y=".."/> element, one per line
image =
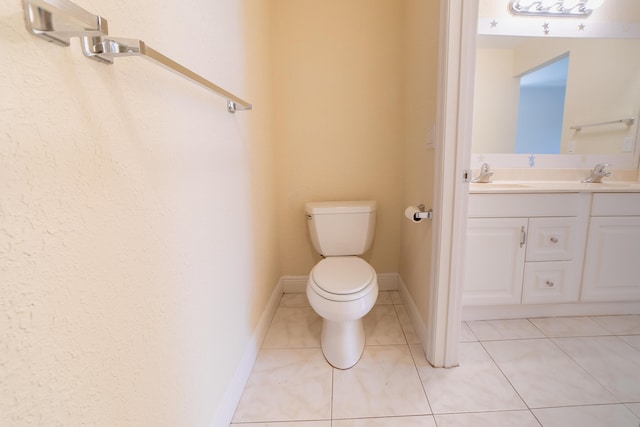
<point x="428" y="214"/>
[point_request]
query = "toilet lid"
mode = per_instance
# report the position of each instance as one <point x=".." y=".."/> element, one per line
<point x="342" y="275"/>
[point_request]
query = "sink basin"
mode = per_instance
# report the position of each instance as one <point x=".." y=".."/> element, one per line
<point x="500" y="185"/>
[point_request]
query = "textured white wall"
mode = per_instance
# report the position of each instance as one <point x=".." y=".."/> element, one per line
<point x="132" y="271"/>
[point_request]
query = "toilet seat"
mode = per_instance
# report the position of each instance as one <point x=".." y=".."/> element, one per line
<point x="342" y="278"/>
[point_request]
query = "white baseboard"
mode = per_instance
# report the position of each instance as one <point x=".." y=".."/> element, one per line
<point x="227" y="407"/>
<point x="418" y="323"/>
<point x="298" y="284"/>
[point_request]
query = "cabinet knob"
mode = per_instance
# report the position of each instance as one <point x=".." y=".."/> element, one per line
<point x="549" y="284"/>
<point x="554" y="240"/>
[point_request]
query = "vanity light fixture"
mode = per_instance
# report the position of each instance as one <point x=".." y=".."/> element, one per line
<point x="555" y="8"/>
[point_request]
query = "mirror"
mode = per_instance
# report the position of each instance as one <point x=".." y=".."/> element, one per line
<point x="587" y="115"/>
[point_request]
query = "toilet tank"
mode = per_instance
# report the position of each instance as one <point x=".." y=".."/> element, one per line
<point x="341" y="228"/>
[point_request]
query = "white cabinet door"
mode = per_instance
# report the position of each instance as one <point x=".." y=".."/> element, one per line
<point x="494" y="261"/>
<point x="612" y="262"/>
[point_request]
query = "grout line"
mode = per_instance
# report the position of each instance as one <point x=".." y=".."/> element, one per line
<point x="424" y="390"/>
<point x="583" y="368"/>
<point x="470" y="330"/>
<point x="404" y="334"/>
<point x="505" y="375"/>
<point x="331" y="395"/>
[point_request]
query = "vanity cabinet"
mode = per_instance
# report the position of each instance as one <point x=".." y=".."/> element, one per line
<point x="612" y="260"/>
<point x="524" y="248"/>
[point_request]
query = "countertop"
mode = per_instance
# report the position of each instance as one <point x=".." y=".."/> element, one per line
<point x="554" y="187"/>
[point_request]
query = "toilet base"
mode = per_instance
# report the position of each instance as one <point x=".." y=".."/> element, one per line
<point x="342" y="342"/>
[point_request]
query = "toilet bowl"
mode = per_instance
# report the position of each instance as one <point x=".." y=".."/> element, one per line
<point x="342" y="290"/>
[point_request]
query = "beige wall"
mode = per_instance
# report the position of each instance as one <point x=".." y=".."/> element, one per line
<point x="137" y="219"/>
<point x="355" y="99"/>
<point x="338" y="118"/>
<point x="419" y="108"/>
<point x="495" y="112"/>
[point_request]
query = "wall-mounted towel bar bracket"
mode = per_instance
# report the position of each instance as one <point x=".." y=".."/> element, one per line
<point x="58" y="20"/>
<point x="629" y="121"/>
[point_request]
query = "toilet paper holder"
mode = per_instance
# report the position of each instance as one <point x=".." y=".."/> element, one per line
<point x="423" y="213"/>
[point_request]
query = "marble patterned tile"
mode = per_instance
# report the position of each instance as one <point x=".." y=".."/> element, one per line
<point x="382" y="326"/>
<point x="544" y="375"/>
<point x="407" y="326"/>
<point x="396" y="298"/>
<point x="421" y="421"/>
<point x="384" y="298"/>
<point x="287" y="385"/>
<point x="476" y="385"/>
<point x="635" y="408"/>
<point x="488" y="419"/>
<point x="511" y="329"/>
<point x="632" y="340"/>
<point x="569" y="327"/>
<point x="466" y="334"/>
<point x="298" y="299"/>
<point x="620" y="325"/>
<point x="383" y="383"/>
<point x="294" y="327"/>
<point x="611" y="361"/>
<point x="285" y="424"/>
<point x="587" y="416"/>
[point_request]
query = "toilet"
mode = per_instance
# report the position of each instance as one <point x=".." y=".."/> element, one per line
<point x="342" y="288"/>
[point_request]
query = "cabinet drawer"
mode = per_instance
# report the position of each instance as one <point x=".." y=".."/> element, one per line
<point x="547" y="282"/>
<point x="615" y="204"/>
<point x="552" y="239"/>
<point x="524" y="205"/>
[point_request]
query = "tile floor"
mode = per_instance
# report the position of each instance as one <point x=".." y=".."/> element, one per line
<point x="580" y="371"/>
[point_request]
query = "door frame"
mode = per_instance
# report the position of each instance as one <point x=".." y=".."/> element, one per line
<point x="456" y="72"/>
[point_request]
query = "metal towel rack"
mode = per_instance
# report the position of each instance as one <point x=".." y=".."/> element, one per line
<point x="58" y="20"/>
<point x="627" y="121"/>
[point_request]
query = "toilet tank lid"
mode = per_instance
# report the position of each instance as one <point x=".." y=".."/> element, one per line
<point x="319" y="208"/>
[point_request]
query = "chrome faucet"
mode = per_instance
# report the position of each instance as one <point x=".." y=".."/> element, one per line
<point x="598" y="173"/>
<point x="485" y="174"/>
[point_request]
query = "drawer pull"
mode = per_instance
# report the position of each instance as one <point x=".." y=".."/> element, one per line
<point x="523" y="236"/>
<point x="549" y="284"/>
<point x="554" y="240"/>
